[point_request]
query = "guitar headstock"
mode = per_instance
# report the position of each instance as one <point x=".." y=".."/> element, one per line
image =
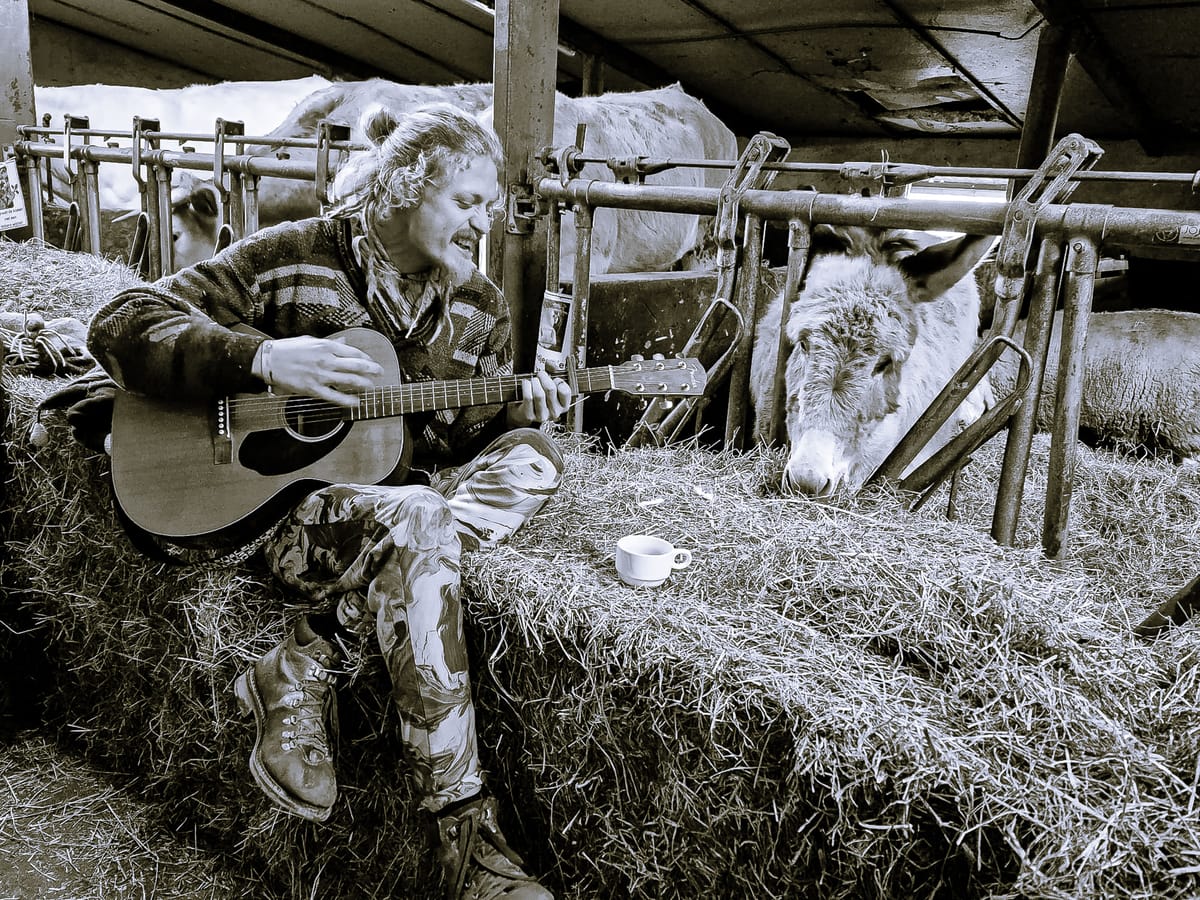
<point x="660" y="377"/>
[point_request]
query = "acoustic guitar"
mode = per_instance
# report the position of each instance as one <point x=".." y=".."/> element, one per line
<point x="214" y="470"/>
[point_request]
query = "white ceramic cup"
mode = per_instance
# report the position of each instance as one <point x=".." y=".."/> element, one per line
<point x="647" y="561"/>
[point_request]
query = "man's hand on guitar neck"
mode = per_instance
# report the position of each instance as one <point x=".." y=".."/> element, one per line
<point x="545" y="398"/>
<point x="316" y="367"/>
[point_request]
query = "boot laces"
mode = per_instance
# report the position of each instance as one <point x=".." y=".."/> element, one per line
<point x="478" y="841"/>
<point x="307" y="732"/>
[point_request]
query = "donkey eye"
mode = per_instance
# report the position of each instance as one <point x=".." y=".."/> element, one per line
<point x="885" y="363"/>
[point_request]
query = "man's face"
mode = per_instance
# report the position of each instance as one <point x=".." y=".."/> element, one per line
<point x="445" y="227"/>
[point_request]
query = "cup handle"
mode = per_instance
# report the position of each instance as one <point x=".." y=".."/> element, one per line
<point x="683" y="559"/>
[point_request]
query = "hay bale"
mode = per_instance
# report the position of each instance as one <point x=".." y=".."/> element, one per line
<point x="837" y="699"/>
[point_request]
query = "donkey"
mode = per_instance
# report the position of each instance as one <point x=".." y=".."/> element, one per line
<point x="884" y="319"/>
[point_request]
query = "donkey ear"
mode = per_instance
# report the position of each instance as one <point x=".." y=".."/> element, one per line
<point x="937" y="268"/>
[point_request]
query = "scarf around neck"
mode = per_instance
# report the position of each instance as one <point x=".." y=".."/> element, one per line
<point x="401" y="306"/>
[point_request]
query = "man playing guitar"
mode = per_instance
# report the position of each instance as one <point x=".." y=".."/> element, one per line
<point x="395" y="255"/>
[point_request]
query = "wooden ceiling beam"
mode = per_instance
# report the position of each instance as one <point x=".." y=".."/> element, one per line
<point x="340" y="63"/>
<point x="1113" y="80"/>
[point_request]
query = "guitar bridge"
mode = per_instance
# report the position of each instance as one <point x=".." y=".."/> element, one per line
<point x="222" y="433"/>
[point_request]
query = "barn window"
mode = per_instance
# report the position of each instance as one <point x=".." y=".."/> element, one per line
<point x="957" y="187"/>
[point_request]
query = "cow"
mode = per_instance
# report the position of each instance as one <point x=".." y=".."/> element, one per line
<point x="665" y="122"/>
<point x="883" y="320"/>
<point x="194" y="109"/>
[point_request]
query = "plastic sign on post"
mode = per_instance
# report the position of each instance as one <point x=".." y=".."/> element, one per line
<point x="12" y="201"/>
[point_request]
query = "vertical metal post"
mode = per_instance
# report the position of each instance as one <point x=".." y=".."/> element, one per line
<point x="799" y="240"/>
<point x="89" y="180"/>
<point x="249" y="184"/>
<point x="166" y="222"/>
<point x="553" y="242"/>
<point x="33" y="193"/>
<point x="524" y="70"/>
<point x="1011" y="488"/>
<point x="747" y="304"/>
<point x="581" y="293"/>
<point x="1082" y="256"/>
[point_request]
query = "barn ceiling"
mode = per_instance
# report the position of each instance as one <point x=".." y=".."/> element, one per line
<point x="850" y="68"/>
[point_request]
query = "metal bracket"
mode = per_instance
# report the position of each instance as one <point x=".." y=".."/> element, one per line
<point x="140" y="127"/>
<point x="748" y="173"/>
<point x="885" y="173"/>
<point x="656" y="423"/>
<point x="634" y="169"/>
<point x="224" y="129"/>
<point x="565" y="162"/>
<point x="1051" y="183"/>
<point x="71" y="124"/>
<point x="327" y="134"/>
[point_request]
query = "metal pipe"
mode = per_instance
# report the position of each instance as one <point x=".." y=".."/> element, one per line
<point x="33" y="182"/>
<point x="90" y="186"/>
<point x="249" y="184"/>
<point x="152" y="208"/>
<point x="581" y="292"/>
<point x="166" y="221"/>
<point x="799" y="239"/>
<point x="1109" y="225"/>
<point x="1082" y="256"/>
<point x="553" y="243"/>
<point x="903" y="172"/>
<point x="1011" y="489"/>
<point x="747" y="304"/>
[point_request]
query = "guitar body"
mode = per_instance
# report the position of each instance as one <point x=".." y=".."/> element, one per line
<point x="191" y="471"/>
<point x="208" y="474"/>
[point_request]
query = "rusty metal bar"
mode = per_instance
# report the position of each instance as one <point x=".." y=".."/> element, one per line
<point x="90" y="189"/>
<point x="166" y="227"/>
<point x="33" y="182"/>
<point x="746" y="301"/>
<point x="1011" y="489"/>
<point x="1115" y="226"/>
<point x="581" y="292"/>
<point x="249" y="191"/>
<point x="799" y="240"/>
<point x="553" y="242"/>
<point x="1082" y="256"/>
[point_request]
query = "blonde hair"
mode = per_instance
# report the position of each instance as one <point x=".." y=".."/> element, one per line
<point x="408" y="153"/>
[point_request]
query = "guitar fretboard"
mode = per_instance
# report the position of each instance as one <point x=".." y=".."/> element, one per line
<point x="417" y="396"/>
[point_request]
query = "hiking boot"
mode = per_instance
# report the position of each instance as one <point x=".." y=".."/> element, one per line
<point x="479" y="863"/>
<point x="288" y="689"/>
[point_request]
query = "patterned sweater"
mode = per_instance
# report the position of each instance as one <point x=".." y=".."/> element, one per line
<point x="173" y="338"/>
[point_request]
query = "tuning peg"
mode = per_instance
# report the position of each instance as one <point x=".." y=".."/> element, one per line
<point x="637" y="357"/>
<point x="667" y="404"/>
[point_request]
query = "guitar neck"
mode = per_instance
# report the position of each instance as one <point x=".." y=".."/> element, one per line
<point x="425" y="396"/>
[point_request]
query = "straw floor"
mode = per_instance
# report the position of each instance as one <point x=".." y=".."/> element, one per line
<point x="837" y="699"/>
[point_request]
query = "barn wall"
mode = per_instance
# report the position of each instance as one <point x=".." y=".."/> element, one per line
<point x="63" y="55"/>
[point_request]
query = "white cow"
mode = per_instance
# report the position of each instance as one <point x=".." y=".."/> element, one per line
<point x="667" y="122"/>
<point x="260" y="105"/>
<point x="664" y="122"/>
<point x="876" y="332"/>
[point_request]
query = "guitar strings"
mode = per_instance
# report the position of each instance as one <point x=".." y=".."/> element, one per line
<point x="418" y="392"/>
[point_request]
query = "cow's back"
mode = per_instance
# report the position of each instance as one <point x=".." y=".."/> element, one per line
<point x="193" y="109"/>
<point x="667" y="122"/>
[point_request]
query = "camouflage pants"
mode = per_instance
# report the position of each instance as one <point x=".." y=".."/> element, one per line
<point x="389" y="556"/>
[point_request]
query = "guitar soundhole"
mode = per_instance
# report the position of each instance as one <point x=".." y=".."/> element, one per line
<point x="311" y="419"/>
<point x="311" y="434"/>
